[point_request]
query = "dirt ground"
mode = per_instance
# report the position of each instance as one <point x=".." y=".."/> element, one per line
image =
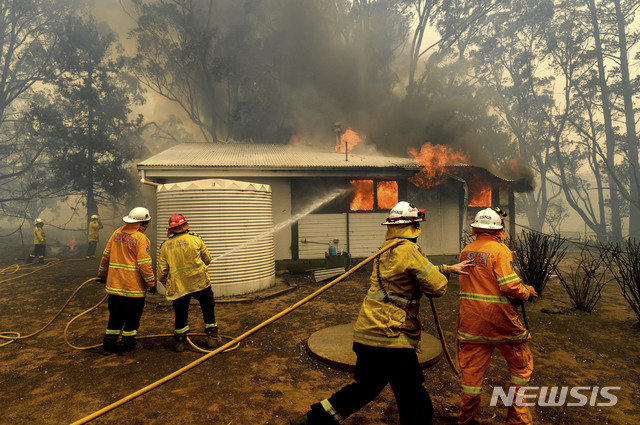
<point x="271" y="378"/>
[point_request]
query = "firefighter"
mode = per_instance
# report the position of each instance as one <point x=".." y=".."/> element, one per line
<point x="488" y="319"/>
<point x="39" y="241"/>
<point x="183" y="268"/>
<point x="127" y="270"/>
<point x="93" y="236"/>
<point x="387" y="330"/>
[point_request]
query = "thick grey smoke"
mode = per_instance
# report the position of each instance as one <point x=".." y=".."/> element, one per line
<point x="292" y="68"/>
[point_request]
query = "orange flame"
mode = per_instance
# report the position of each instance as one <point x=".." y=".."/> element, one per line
<point x="479" y="195"/>
<point x="349" y="139"/>
<point x="300" y="138"/>
<point x="432" y="160"/>
<point x="387" y="193"/>
<point x="362" y="199"/>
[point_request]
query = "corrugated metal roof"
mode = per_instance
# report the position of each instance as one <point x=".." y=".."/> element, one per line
<point x="266" y="156"/>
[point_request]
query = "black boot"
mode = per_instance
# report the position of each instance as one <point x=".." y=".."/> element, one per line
<point x="128" y="343"/>
<point x="109" y="344"/>
<point x="179" y="341"/>
<point x="316" y="416"/>
<point x="213" y="337"/>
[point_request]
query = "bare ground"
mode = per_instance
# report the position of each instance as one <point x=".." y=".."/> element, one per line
<point x="271" y="378"/>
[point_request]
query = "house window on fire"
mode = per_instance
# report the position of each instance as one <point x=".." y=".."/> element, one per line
<point x="364" y="198"/>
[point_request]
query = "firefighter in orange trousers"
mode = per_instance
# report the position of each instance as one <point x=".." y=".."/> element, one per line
<point x="387" y="330"/>
<point x="127" y="270"/>
<point x="39" y="241"/>
<point x="182" y="267"/>
<point x="487" y="318"/>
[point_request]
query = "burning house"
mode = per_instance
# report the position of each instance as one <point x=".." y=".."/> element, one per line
<point x="348" y="194"/>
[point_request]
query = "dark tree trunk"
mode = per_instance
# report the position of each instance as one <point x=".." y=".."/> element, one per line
<point x="629" y="115"/>
<point x="616" y="222"/>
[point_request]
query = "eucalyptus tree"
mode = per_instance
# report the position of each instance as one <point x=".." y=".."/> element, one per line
<point x="86" y="122"/>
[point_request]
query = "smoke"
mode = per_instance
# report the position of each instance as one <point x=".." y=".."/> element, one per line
<point x="289" y="69"/>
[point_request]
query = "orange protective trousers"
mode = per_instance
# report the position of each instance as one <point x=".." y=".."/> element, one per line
<point x="474" y="359"/>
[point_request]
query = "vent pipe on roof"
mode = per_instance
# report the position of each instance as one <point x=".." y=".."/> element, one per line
<point x="337" y="129"/>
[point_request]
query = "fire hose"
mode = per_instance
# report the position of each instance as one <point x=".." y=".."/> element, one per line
<point x="14" y="268"/>
<point x="231" y="345"/>
<point x="12" y="336"/>
<point x="220" y="349"/>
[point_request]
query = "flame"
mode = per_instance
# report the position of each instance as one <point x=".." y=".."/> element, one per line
<point x="349" y="139"/>
<point x="71" y="244"/>
<point x="479" y="194"/>
<point x="387" y="193"/>
<point x="432" y="160"/>
<point x="300" y="138"/>
<point x="362" y="199"/>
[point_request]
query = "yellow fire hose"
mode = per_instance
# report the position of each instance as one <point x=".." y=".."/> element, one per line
<point x="220" y="349"/>
<point x="89" y="347"/>
<point x="434" y="310"/>
<point x="14" y="268"/>
<point x="12" y="336"/>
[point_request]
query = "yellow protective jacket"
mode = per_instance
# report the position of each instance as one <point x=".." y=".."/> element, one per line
<point x="39" y="238"/>
<point x="486" y="314"/>
<point x="406" y="274"/>
<point x="182" y="265"/>
<point x="126" y="262"/>
<point x="94" y="230"/>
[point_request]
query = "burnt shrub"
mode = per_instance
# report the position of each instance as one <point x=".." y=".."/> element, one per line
<point x="535" y="256"/>
<point x="584" y="279"/>
<point x="625" y="267"/>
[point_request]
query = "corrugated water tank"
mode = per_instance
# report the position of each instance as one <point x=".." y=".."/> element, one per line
<point x="234" y="219"/>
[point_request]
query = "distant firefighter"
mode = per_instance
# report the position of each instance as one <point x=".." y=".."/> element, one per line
<point x="127" y="270"/>
<point x="387" y="331"/>
<point x="39" y="241"/>
<point x="487" y="319"/>
<point x="93" y="235"/>
<point x="183" y="268"/>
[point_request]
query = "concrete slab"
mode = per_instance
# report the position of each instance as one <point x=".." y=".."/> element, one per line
<point x="333" y="347"/>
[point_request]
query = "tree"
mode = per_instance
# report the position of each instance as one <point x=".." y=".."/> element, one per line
<point x="89" y="136"/>
<point x="265" y="70"/>
<point x="27" y="42"/>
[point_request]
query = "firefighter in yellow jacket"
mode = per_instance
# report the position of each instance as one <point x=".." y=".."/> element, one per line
<point x="487" y="319"/>
<point x="93" y="235"/>
<point x="387" y="330"/>
<point x="39" y="241"/>
<point x="182" y="267"/>
<point x="126" y="267"/>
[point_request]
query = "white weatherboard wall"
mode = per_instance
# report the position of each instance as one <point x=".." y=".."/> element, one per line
<point x="441" y="231"/>
<point x="317" y="231"/>
<point x="230" y="216"/>
<point x="366" y="234"/>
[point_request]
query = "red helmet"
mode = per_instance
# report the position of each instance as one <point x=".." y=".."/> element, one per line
<point x="176" y="220"/>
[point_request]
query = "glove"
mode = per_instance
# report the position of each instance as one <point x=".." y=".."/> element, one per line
<point x="153" y="289"/>
<point x="102" y="279"/>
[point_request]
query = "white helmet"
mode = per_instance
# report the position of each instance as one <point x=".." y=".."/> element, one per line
<point x="488" y="219"/>
<point x="405" y="213"/>
<point x="137" y="215"/>
<point x="95" y="217"/>
<point x="38" y="221"/>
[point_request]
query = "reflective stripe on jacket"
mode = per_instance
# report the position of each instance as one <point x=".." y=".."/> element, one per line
<point x="406" y="273"/>
<point x="126" y="262"/>
<point x="94" y="230"/>
<point x="182" y="265"/>
<point x="39" y="238"/>
<point x="486" y="314"/>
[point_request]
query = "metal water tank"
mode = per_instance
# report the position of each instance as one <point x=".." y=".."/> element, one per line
<point x="235" y="221"/>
